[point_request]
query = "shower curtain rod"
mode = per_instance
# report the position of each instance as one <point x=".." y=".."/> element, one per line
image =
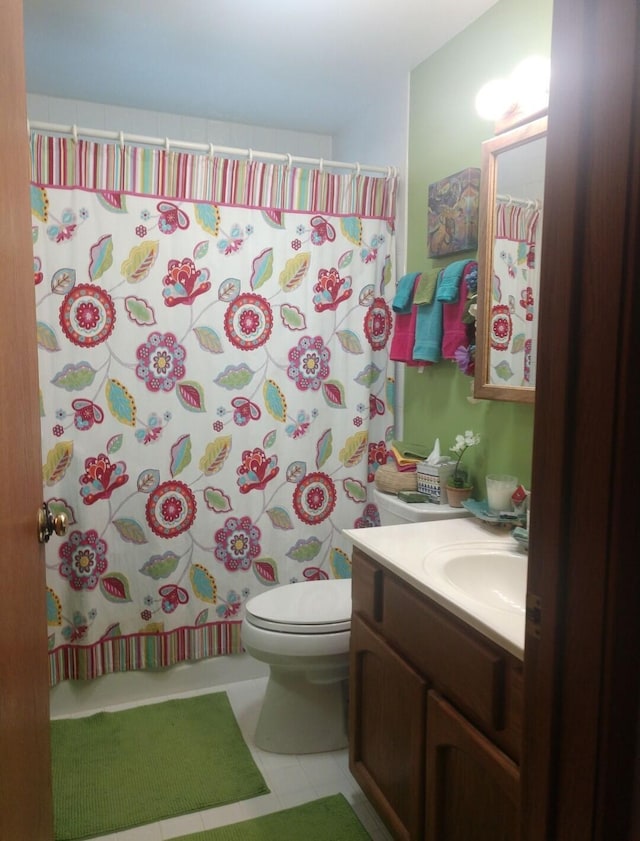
<point x="206" y="148"/>
<point x="534" y="203"/>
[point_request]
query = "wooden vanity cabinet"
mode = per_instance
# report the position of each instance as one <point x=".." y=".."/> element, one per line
<point x="435" y="715"/>
<point x="473" y="788"/>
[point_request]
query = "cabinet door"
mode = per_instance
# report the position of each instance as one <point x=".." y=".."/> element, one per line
<point x="472" y="787"/>
<point x="387" y="729"/>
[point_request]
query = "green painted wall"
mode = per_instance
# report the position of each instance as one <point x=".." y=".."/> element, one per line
<point x="445" y="136"/>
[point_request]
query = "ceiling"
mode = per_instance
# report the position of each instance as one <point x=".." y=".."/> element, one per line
<point x="285" y="64"/>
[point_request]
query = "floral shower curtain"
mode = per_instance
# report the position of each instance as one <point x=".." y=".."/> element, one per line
<point x="514" y="316"/>
<point x="215" y="394"/>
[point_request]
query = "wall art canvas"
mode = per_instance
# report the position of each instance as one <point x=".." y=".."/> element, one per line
<point x="453" y="213"/>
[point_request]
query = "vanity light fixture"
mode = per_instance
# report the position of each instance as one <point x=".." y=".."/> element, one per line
<point x="525" y="92"/>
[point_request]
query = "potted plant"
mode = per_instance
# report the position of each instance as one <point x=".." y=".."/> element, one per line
<point x="458" y="486"/>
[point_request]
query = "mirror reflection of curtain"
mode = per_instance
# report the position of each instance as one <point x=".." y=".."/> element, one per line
<point x="514" y="289"/>
<point x="215" y="390"/>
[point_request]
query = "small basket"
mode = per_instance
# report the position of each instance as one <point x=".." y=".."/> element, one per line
<point x="390" y="480"/>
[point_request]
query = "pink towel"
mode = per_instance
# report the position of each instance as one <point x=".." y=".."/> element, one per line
<point x="404" y="333"/>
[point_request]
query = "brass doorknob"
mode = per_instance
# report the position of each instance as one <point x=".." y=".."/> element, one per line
<point x="48" y="524"/>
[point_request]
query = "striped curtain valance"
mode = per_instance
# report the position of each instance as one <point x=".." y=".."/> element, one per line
<point x="119" y="168"/>
<point x="135" y="652"/>
<point x="517" y="221"/>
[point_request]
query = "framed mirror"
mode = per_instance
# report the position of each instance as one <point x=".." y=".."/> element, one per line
<point x="509" y="252"/>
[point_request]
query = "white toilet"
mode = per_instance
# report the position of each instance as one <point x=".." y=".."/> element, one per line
<point x="302" y="632"/>
<point x="394" y="511"/>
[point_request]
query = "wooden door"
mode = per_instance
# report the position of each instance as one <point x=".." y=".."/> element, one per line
<point x="580" y="768"/>
<point x="386" y="731"/>
<point x="473" y="789"/>
<point x="25" y="787"/>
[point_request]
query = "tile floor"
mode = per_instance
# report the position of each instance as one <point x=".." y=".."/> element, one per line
<point x="291" y="779"/>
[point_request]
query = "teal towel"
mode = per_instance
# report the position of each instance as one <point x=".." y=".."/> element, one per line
<point x="428" y="343"/>
<point x="403" y="299"/>
<point x="449" y="284"/>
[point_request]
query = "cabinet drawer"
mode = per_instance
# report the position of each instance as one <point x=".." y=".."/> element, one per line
<point x="466" y="670"/>
<point x="366" y="587"/>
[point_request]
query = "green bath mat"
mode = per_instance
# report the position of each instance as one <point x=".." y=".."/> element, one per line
<point x="112" y="771"/>
<point x="328" y="819"/>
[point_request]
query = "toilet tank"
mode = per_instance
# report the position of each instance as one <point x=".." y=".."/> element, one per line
<point x="394" y="511"/>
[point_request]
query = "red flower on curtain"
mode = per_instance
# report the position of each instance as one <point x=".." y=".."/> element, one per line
<point x="331" y="290"/>
<point x="161" y="362"/>
<point x="87" y="315"/>
<point x="501" y="327"/>
<point x="101" y="478"/>
<point x="248" y="321"/>
<point x="183" y="282"/>
<point x="86" y="413"/>
<point x="377" y="455"/>
<point x="370" y="517"/>
<point x="171" y="218"/>
<point x="83" y="559"/>
<point x="377" y="324"/>
<point x="527" y="302"/>
<point x="314" y="498"/>
<point x="245" y="410"/>
<point x="309" y="363"/>
<point x="315" y="574"/>
<point x="237" y="543"/>
<point x="322" y="230"/>
<point x="256" y="470"/>
<point x="172" y="596"/>
<point x="38" y="277"/>
<point x="171" y="509"/>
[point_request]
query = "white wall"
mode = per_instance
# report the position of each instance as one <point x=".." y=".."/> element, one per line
<point x="71" y="112"/>
<point x="380" y="135"/>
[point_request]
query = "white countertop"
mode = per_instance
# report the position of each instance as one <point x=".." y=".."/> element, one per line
<point x="402" y="549"/>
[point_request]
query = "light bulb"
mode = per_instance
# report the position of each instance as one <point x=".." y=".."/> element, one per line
<point x="531" y="81"/>
<point x="495" y="99"/>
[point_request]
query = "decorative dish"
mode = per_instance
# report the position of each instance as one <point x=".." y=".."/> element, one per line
<point x="502" y="518"/>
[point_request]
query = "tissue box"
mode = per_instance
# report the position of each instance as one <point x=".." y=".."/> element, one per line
<point x="432" y="479"/>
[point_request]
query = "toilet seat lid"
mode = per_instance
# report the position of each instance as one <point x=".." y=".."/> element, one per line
<point x="313" y="607"/>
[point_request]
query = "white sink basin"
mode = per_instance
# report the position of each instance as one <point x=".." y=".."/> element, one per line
<point x="486" y="572"/>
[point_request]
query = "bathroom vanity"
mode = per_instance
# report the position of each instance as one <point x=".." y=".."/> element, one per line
<point x="436" y="684"/>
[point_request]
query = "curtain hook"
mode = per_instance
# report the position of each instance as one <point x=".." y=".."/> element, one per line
<point x="250" y="156"/>
<point x="211" y="151"/>
<point x="122" y="140"/>
<point x="321" y="167"/>
<point x="74" y="133"/>
<point x="166" y="144"/>
<point x="289" y="160"/>
<point x="357" y="170"/>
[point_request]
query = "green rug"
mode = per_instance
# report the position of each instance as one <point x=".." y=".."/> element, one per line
<point x="328" y="819"/>
<point x="112" y="771"/>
